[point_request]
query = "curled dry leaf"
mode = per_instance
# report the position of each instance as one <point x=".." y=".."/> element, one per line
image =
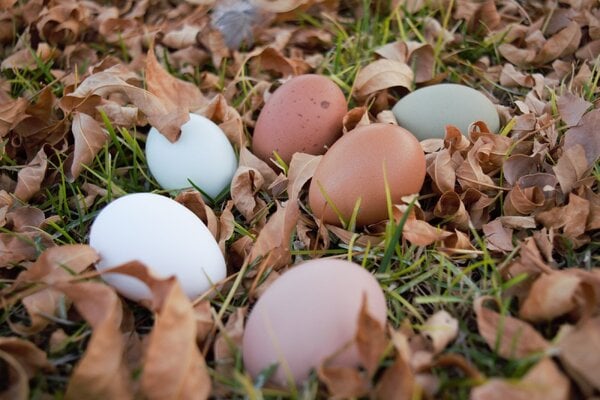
<point x="343" y="382"/>
<point x="421" y="233"/>
<point x="580" y="355"/>
<point x="228" y="119"/>
<point x="572" y="167"/>
<point x="542" y="382"/>
<point x="382" y="74"/>
<point x="89" y="139"/>
<point x="193" y="201"/>
<point x="370" y="338"/>
<point x="418" y="55"/>
<point x="245" y="185"/>
<point x="11" y="113"/>
<point x="510" y="337"/>
<point x="398" y="380"/>
<point x="21" y="359"/>
<point x="173" y="364"/>
<point x="248" y="159"/>
<point x="451" y="208"/>
<point x="275" y="236"/>
<point x="558" y="293"/>
<point x="572" y="218"/>
<point x="586" y="135"/>
<point x="440" y="329"/>
<point x="571" y="108"/>
<point x="101" y="372"/>
<point x="354" y="118"/>
<point x="442" y="171"/>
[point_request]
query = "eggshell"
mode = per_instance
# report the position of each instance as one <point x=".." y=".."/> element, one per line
<point x="308" y="314"/>
<point x="161" y="233"/>
<point x="426" y="111"/>
<point x="202" y="154"/>
<point x="353" y="168"/>
<point x="302" y="115"/>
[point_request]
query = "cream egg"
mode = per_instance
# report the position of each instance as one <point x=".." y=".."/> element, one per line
<point x="202" y="155"/>
<point x="161" y="233"/>
<point x="307" y="315"/>
<point x="426" y="111"/>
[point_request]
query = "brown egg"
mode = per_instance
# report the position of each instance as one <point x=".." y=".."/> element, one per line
<point x="308" y="314"/>
<point x="353" y="169"/>
<point x="303" y="115"/>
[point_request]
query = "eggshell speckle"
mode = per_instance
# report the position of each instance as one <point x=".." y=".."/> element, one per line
<point x="202" y="154"/>
<point x="353" y="168"/>
<point x="308" y="314"/>
<point x="426" y="111"/>
<point x="303" y="115"/>
<point x="161" y="233"/>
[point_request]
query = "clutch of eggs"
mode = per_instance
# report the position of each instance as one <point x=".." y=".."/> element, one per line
<point x="202" y="155"/>
<point x="161" y="233"/>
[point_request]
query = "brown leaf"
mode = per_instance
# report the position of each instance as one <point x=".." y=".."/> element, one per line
<point x="572" y="218"/>
<point x="343" y="382"/>
<point x="470" y="173"/>
<point x="542" y="382"/>
<point x="194" y="202"/>
<point x="421" y="233"/>
<point x="586" y="135"/>
<point x="509" y="337"/>
<point x="57" y="264"/>
<point x="245" y="185"/>
<point x="247" y="159"/>
<point x="111" y="81"/>
<point x="478" y="14"/>
<point x="397" y="382"/>
<point x="559" y="45"/>
<point x="518" y="165"/>
<point x="101" y="372"/>
<point x="21" y="359"/>
<point x="530" y="194"/>
<point x="271" y="59"/>
<point x="580" y="352"/>
<point x="442" y="171"/>
<point x="11" y="113"/>
<point x="370" y="338"/>
<point x="358" y="116"/>
<point x="30" y="178"/>
<point x="498" y="237"/>
<point x="451" y="208"/>
<point x="382" y="74"/>
<point x="89" y="139"/>
<point x="571" y="108"/>
<point x="572" y="167"/>
<point x="440" y="329"/>
<point x="553" y="295"/>
<point x="173" y="364"/>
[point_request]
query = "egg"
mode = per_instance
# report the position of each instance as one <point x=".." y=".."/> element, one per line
<point x="353" y="169"/>
<point x="303" y="115"/>
<point x="202" y="155"/>
<point x="161" y="233"/>
<point x="426" y="111"/>
<point x="307" y="314"/>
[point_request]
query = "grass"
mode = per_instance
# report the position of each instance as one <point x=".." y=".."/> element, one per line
<point x="416" y="281"/>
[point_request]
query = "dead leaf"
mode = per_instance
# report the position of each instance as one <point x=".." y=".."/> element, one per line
<point x="579" y="352"/>
<point x="21" y="359"/>
<point x="498" y="237"/>
<point x="382" y="74"/>
<point x="571" y="108"/>
<point x="442" y="171"/>
<point x="30" y="178"/>
<point x="563" y="43"/>
<point x="451" y="208"/>
<point x="358" y="116"/>
<point x="89" y="139"/>
<point x="245" y="185"/>
<point x="57" y="264"/>
<point x="11" y="113"/>
<point x="509" y="337"/>
<point x="370" y="339"/>
<point x="101" y="372"/>
<point x="421" y="233"/>
<point x="397" y="382"/>
<point x="572" y="167"/>
<point x="572" y="218"/>
<point x="553" y="295"/>
<point x="586" y="135"/>
<point x="440" y="329"/>
<point x="542" y="382"/>
<point x="343" y="382"/>
<point x="173" y="365"/>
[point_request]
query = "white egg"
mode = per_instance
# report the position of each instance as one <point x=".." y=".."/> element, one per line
<point x="202" y="154"/>
<point x="161" y="233"/>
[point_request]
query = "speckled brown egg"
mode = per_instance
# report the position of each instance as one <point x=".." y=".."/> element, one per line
<point x="353" y="168"/>
<point x="303" y="115"/>
<point x="307" y="315"/>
